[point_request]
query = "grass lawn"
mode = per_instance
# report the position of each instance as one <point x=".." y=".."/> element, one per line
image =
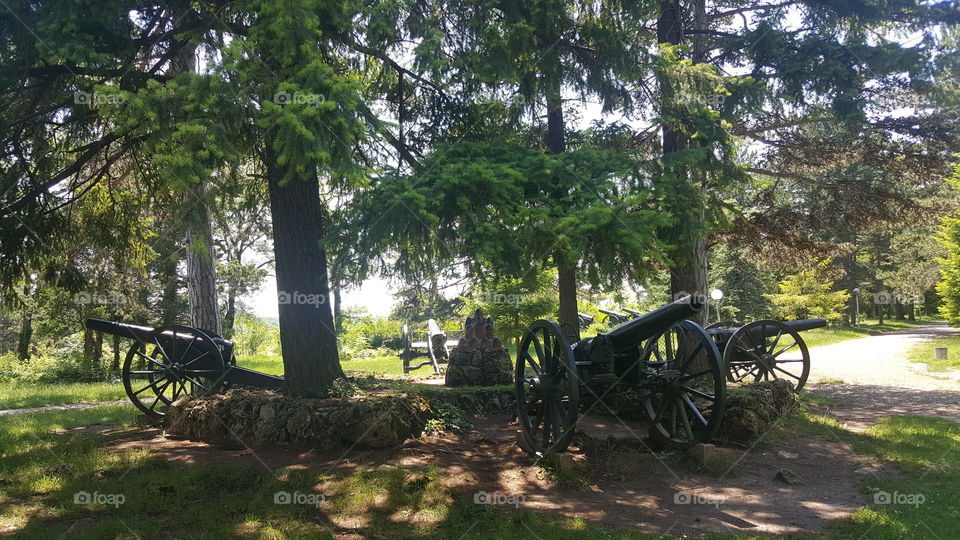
<point x="18" y="395"/>
<point x="923" y="352"/>
<point x="836" y="334"/>
<point x="921" y="497"/>
<point x="382" y="365"/>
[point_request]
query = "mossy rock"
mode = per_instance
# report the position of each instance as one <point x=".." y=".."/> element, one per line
<point x="753" y="410"/>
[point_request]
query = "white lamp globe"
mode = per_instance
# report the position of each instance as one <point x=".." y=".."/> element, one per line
<point x="716" y="294"/>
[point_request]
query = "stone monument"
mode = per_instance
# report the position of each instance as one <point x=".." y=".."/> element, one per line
<point x="479" y="358"/>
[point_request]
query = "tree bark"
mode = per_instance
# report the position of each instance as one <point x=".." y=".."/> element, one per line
<point x="337" y="308"/>
<point x="201" y="273"/>
<point x="115" y="366"/>
<point x="912" y="311"/>
<point x="26" y="334"/>
<point x="688" y="274"/>
<point x="567" y="270"/>
<point x="307" y="337"/>
<point x="170" y="297"/>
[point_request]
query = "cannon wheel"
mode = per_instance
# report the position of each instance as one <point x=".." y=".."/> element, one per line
<point x="685" y="394"/>
<point x="546" y="389"/>
<point x="767" y="350"/>
<point x="156" y="375"/>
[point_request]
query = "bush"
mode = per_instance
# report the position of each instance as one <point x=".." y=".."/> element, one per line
<point x="807" y="295"/>
<point x="253" y="335"/>
<point x="365" y="336"/>
<point x="49" y="365"/>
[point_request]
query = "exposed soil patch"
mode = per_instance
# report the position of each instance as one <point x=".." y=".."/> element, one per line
<point x="862" y="405"/>
<point x="622" y="482"/>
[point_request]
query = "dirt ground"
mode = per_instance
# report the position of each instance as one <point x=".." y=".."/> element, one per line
<point x="623" y="482"/>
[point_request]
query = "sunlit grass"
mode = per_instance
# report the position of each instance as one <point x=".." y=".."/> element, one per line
<point x="19" y="395"/>
<point x="922" y="477"/>
<point x="923" y="352"/>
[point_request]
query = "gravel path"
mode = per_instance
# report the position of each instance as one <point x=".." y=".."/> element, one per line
<point x="876" y="380"/>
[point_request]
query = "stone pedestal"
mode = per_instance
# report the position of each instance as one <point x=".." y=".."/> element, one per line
<point x="479" y="359"/>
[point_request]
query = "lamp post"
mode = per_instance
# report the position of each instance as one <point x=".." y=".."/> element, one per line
<point x="717" y="296"/>
<point x="856" y="304"/>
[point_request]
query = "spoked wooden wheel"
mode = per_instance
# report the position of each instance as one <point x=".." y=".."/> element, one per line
<point x="169" y="363"/>
<point x="765" y="351"/>
<point x="685" y="390"/>
<point x="546" y="389"/>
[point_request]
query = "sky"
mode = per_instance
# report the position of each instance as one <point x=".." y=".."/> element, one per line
<point x="375" y="296"/>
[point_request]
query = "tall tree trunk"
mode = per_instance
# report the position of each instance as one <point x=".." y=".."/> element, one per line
<point x="230" y="317"/>
<point x="688" y="274"/>
<point x="201" y="273"/>
<point x="115" y="366"/>
<point x="307" y="337"/>
<point x="912" y="312"/>
<point x="92" y="347"/>
<point x="337" y="308"/>
<point x="567" y="270"/>
<point x="170" y="295"/>
<point x="26" y="334"/>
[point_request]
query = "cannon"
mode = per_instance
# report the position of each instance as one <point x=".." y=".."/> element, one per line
<point x="765" y="350"/>
<point x="614" y="317"/>
<point x="672" y="363"/>
<point x="169" y="362"/>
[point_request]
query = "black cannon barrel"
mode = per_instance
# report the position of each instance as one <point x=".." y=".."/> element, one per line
<point x="632" y="333"/>
<point x="806" y="324"/>
<point x="139" y="333"/>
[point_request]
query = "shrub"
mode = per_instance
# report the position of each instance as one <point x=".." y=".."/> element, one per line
<point x="807" y="295"/>
<point x="253" y="335"/>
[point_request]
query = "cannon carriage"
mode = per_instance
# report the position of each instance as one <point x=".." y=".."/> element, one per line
<point x="765" y="350"/>
<point x="672" y="363"/>
<point x="169" y="362"/>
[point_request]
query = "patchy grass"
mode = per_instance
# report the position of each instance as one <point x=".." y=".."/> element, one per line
<point x="923" y="352"/>
<point x="50" y="464"/>
<point x="835" y="334"/>
<point x="921" y="499"/>
<point x="20" y="395"/>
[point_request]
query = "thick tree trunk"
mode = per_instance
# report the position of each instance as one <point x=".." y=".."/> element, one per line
<point x="201" y="273"/>
<point x="567" y="285"/>
<point x="307" y="337"/>
<point x="688" y="274"/>
<point x="26" y="334"/>
<point x="912" y="312"/>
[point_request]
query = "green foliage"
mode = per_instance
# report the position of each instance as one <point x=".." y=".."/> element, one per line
<point x="253" y="335"/>
<point x="805" y="295"/>
<point x="949" y="286"/>
<point x="513" y="303"/>
<point x="510" y="210"/>
<point x="745" y="287"/>
<point x="446" y="417"/>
